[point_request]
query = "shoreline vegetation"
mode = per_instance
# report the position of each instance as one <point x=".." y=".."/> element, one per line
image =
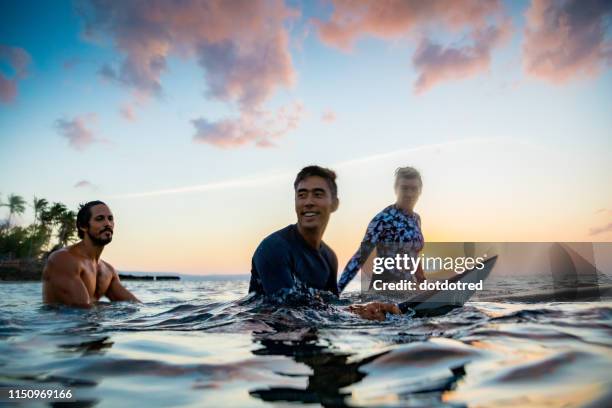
<point x="24" y="249"/>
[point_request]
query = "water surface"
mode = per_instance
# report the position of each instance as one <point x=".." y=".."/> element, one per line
<point x="196" y="343"/>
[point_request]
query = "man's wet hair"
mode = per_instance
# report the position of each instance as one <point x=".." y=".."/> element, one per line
<point x="84" y="215"/>
<point x="327" y="174"/>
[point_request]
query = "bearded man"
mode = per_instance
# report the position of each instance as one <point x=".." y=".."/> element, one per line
<point x="75" y="275"/>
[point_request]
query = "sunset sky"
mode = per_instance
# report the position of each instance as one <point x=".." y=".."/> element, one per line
<point x="191" y="118"/>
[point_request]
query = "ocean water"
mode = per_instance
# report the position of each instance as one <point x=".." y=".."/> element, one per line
<point x="200" y="343"/>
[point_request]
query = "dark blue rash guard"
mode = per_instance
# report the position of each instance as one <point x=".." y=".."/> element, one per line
<point x="284" y="258"/>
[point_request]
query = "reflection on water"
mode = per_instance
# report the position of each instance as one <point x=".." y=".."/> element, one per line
<point x="97" y="346"/>
<point x="333" y="373"/>
<point x="330" y="371"/>
<point x="194" y="344"/>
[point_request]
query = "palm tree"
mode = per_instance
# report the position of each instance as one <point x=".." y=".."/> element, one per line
<point x="56" y="212"/>
<point x="3" y="225"/>
<point x="38" y="205"/>
<point x="58" y="216"/>
<point x="16" y="205"/>
<point x="67" y="228"/>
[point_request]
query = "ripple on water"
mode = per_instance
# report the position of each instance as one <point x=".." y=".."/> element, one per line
<point x="197" y="344"/>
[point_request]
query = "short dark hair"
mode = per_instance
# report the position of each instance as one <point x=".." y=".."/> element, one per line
<point x="84" y="215"/>
<point x="327" y="174"/>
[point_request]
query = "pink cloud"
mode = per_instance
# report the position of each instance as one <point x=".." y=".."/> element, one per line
<point x="85" y="184"/>
<point x="437" y="63"/>
<point x="247" y="74"/>
<point x="127" y="111"/>
<point x="328" y="116"/>
<point x="8" y="89"/>
<point x="601" y="230"/>
<point x="484" y="21"/>
<point x="17" y="60"/>
<point x="604" y="211"/>
<point x="258" y="127"/>
<point x="565" y="39"/>
<point x="242" y="47"/>
<point x="352" y="19"/>
<point x="76" y="131"/>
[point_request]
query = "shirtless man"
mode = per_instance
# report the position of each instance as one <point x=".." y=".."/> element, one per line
<point x="75" y="275"/>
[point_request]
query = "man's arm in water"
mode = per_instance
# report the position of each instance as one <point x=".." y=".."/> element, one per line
<point x="116" y="291"/>
<point x="375" y="310"/>
<point x="63" y="283"/>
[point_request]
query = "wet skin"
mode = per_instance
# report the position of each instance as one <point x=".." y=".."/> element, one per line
<point x="76" y="276"/>
<point x="375" y="310"/>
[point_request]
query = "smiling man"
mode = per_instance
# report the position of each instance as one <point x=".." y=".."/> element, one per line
<point x="75" y="275"/>
<point x="297" y="254"/>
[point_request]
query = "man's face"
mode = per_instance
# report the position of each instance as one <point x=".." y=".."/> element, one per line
<point x="314" y="203"/>
<point x="407" y="191"/>
<point x="101" y="225"/>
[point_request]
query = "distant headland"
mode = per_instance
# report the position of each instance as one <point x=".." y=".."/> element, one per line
<point x="27" y="270"/>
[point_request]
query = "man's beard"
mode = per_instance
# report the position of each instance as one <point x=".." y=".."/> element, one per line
<point x="100" y="241"/>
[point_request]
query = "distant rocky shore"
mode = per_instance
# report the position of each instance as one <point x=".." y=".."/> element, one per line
<point x="123" y="276"/>
<point x="31" y="270"/>
<point x="21" y="270"/>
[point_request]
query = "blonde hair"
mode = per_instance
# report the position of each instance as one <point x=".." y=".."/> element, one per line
<point x="407" y="173"/>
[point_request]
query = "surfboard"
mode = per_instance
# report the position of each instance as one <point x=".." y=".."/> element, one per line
<point x="437" y="302"/>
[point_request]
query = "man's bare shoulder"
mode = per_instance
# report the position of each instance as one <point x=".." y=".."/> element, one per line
<point x="65" y="260"/>
<point x="66" y="254"/>
<point x="108" y="267"/>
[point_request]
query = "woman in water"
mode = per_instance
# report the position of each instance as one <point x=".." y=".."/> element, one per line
<point x="394" y="230"/>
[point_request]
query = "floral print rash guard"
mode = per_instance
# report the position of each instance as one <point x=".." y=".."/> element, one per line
<point x="391" y="231"/>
